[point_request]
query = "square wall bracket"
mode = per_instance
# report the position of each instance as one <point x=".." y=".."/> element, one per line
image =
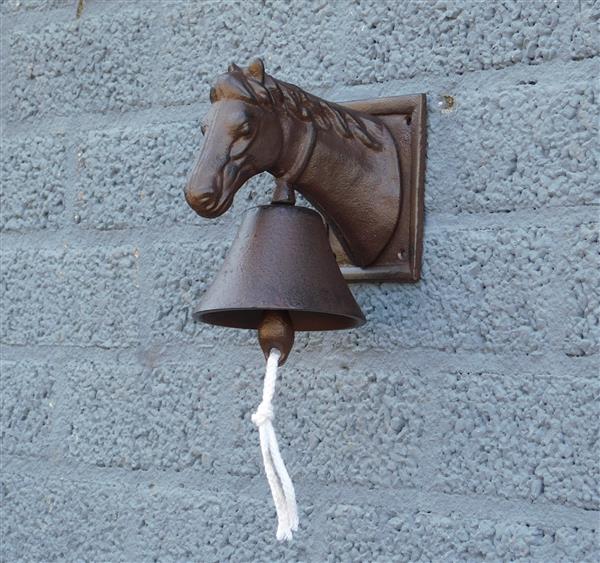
<point x="400" y="260"/>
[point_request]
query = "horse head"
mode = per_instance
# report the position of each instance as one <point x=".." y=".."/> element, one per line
<point x="344" y="162"/>
<point x="243" y="138"/>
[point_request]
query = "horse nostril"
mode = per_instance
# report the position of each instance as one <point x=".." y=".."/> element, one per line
<point x="205" y="199"/>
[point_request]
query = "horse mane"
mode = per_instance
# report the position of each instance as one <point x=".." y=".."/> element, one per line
<point x="275" y="95"/>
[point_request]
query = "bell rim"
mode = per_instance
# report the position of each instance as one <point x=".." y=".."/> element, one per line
<point x="207" y="316"/>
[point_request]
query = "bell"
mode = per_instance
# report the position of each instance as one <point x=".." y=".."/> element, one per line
<point x="280" y="276"/>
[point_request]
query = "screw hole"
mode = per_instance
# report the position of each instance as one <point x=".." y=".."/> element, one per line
<point x="447" y="103"/>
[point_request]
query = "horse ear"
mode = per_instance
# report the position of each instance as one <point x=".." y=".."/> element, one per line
<point x="256" y="68"/>
<point x="233" y="67"/>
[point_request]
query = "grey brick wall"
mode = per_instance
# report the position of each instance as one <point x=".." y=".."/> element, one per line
<point x="460" y="424"/>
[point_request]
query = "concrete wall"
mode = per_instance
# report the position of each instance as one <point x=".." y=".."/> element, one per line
<point x="460" y="424"/>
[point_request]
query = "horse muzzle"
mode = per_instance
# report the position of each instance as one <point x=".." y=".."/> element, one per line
<point x="207" y="203"/>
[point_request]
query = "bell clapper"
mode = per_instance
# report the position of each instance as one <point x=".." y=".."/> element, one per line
<point x="276" y="331"/>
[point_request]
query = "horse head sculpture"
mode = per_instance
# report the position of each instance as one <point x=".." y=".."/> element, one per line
<point x="345" y="162"/>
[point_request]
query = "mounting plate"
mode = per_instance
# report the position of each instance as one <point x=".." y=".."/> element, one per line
<point x="400" y="260"/>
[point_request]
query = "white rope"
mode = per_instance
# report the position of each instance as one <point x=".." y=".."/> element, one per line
<point x="281" y="485"/>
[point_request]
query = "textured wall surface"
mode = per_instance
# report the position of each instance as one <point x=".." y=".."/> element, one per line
<point x="459" y="424"/>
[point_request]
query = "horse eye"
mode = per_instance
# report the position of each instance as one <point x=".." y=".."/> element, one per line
<point x="245" y="129"/>
<point x="203" y="128"/>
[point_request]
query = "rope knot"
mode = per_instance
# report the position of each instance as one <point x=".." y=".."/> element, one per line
<point x="263" y="414"/>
